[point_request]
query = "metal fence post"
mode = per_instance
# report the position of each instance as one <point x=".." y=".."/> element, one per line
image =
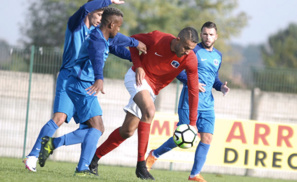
<point x="28" y="98"/>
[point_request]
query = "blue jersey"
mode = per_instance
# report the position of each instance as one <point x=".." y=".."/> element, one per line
<point x="94" y="52"/>
<point x="209" y="63"/>
<point x="77" y="31"/>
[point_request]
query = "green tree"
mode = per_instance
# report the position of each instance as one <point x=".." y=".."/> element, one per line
<point x="47" y="19"/>
<point x="280" y="52"/>
<point x="172" y="15"/>
<point x="46" y="22"/>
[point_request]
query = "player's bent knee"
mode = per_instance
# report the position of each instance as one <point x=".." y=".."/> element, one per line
<point x="59" y="118"/>
<point x="148" y="114"/>
<point x="206" y="138"/>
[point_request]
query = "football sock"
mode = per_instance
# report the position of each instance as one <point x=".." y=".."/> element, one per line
<point x="143" y="137"/>
<point x="88" y="148"/>
<point x="47" y="130"/>
<point x="112" y="142"/>
<point x="72" y="138"/>
<point x="165" y="147"/>
<point x="200" y="158"/>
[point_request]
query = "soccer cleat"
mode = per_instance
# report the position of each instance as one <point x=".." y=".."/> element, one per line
<point x="150" y="160"/>
<point x="84" y="173"/>
<point x="94" y="165"/>
<point x="47" y="148"/>
<point x="30" y="163"/>
<point x="141" y="171"/>
<point x="198" y="177"/>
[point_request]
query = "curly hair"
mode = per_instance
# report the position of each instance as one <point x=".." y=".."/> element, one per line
<point x="108" y="13"/>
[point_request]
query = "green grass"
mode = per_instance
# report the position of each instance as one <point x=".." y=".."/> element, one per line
<point x="12" y="169"/>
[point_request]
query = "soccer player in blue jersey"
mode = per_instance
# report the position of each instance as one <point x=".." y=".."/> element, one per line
<point x="78" y="27"/>
<point x="209" y="62"/>
<point x="86" y="81"/>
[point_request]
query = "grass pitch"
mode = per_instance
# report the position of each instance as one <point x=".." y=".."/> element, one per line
<point x="12" y="169"/>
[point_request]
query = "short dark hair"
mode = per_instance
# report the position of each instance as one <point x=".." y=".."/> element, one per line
<point x="209" y="24"/>
<point x="189" y="33"/>
<point x="109" y="12"/>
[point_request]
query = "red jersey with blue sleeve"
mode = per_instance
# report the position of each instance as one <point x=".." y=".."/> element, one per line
<point x="161" y="66"/>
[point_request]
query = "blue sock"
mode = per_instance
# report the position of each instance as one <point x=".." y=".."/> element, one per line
<point x="72" y="138"/>
<point x="47" y="130"/>
<point x="88" y="148"/>
<point x="200" y="157"/>
<point x="165" y="147"/>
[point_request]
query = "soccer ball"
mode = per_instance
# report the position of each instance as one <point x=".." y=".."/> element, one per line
<point x="185" y="136"/>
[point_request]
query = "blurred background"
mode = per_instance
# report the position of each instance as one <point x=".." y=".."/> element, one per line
<point x="258" y="40"/>
<point x="251" y="33"/>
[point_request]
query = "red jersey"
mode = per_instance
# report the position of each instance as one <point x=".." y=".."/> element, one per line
<point x="161" y="66"/>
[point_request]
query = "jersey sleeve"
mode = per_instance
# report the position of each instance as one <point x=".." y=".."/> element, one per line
<point x="217" y="83"/>
<point x="96" y="54"/>
<point x="76" y="20"/>
<point x="182" y="76"/>
<point x="120" y="51"/>
<point x="123" y="40"/>
<point x="193" y="91"/>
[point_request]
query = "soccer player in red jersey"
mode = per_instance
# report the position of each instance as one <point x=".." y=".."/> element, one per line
<point x="166" y="57"/>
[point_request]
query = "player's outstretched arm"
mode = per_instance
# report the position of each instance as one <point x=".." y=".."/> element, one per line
<point x="224" y="88"/>
<point x="117" y="2"/>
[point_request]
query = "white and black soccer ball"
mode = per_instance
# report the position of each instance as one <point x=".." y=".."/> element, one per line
<point x="185" y="136"/>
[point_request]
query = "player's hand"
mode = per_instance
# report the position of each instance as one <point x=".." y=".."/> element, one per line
<point x="141" y="47"/>
<point x="140" y="74"/>
<point x="96" y="88"/>
<point x="201" y="87"/>
<point x="117" y="1"/>
<point x="225" y="89"/>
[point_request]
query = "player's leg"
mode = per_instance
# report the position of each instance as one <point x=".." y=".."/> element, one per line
<point x="90" y="142"/>
<point x="71" y="138"/>
<point x="47" y="130"/>
<point x="63" y="109"/>
<point x="205" y="125"/>
<point x="118" y="135"/>
<point x="115" y="139"/>
<point x="167" y="146"/>
<point x="88" y="109"/>
<point x="49" y="144"/>
<point x="145" y="102"/>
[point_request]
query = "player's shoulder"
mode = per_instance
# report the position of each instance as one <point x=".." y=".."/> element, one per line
<point x="191" y="55"/>
<point x="217" y="51"/>
<point x="96" y="33"/>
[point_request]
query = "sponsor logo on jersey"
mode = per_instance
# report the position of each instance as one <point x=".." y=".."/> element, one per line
<point x="216" y="62"/>
<point x="175" y="64"/>
<point x="203" y="59"/>
<point x="158" y="54"/>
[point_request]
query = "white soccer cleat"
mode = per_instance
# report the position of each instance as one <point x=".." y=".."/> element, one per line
<point x="30" y="163"/>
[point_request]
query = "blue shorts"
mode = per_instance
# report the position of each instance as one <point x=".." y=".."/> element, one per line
<point x="87" y="106"/>
<point x="205" y="121"/>
<point x="62" y="101"/>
